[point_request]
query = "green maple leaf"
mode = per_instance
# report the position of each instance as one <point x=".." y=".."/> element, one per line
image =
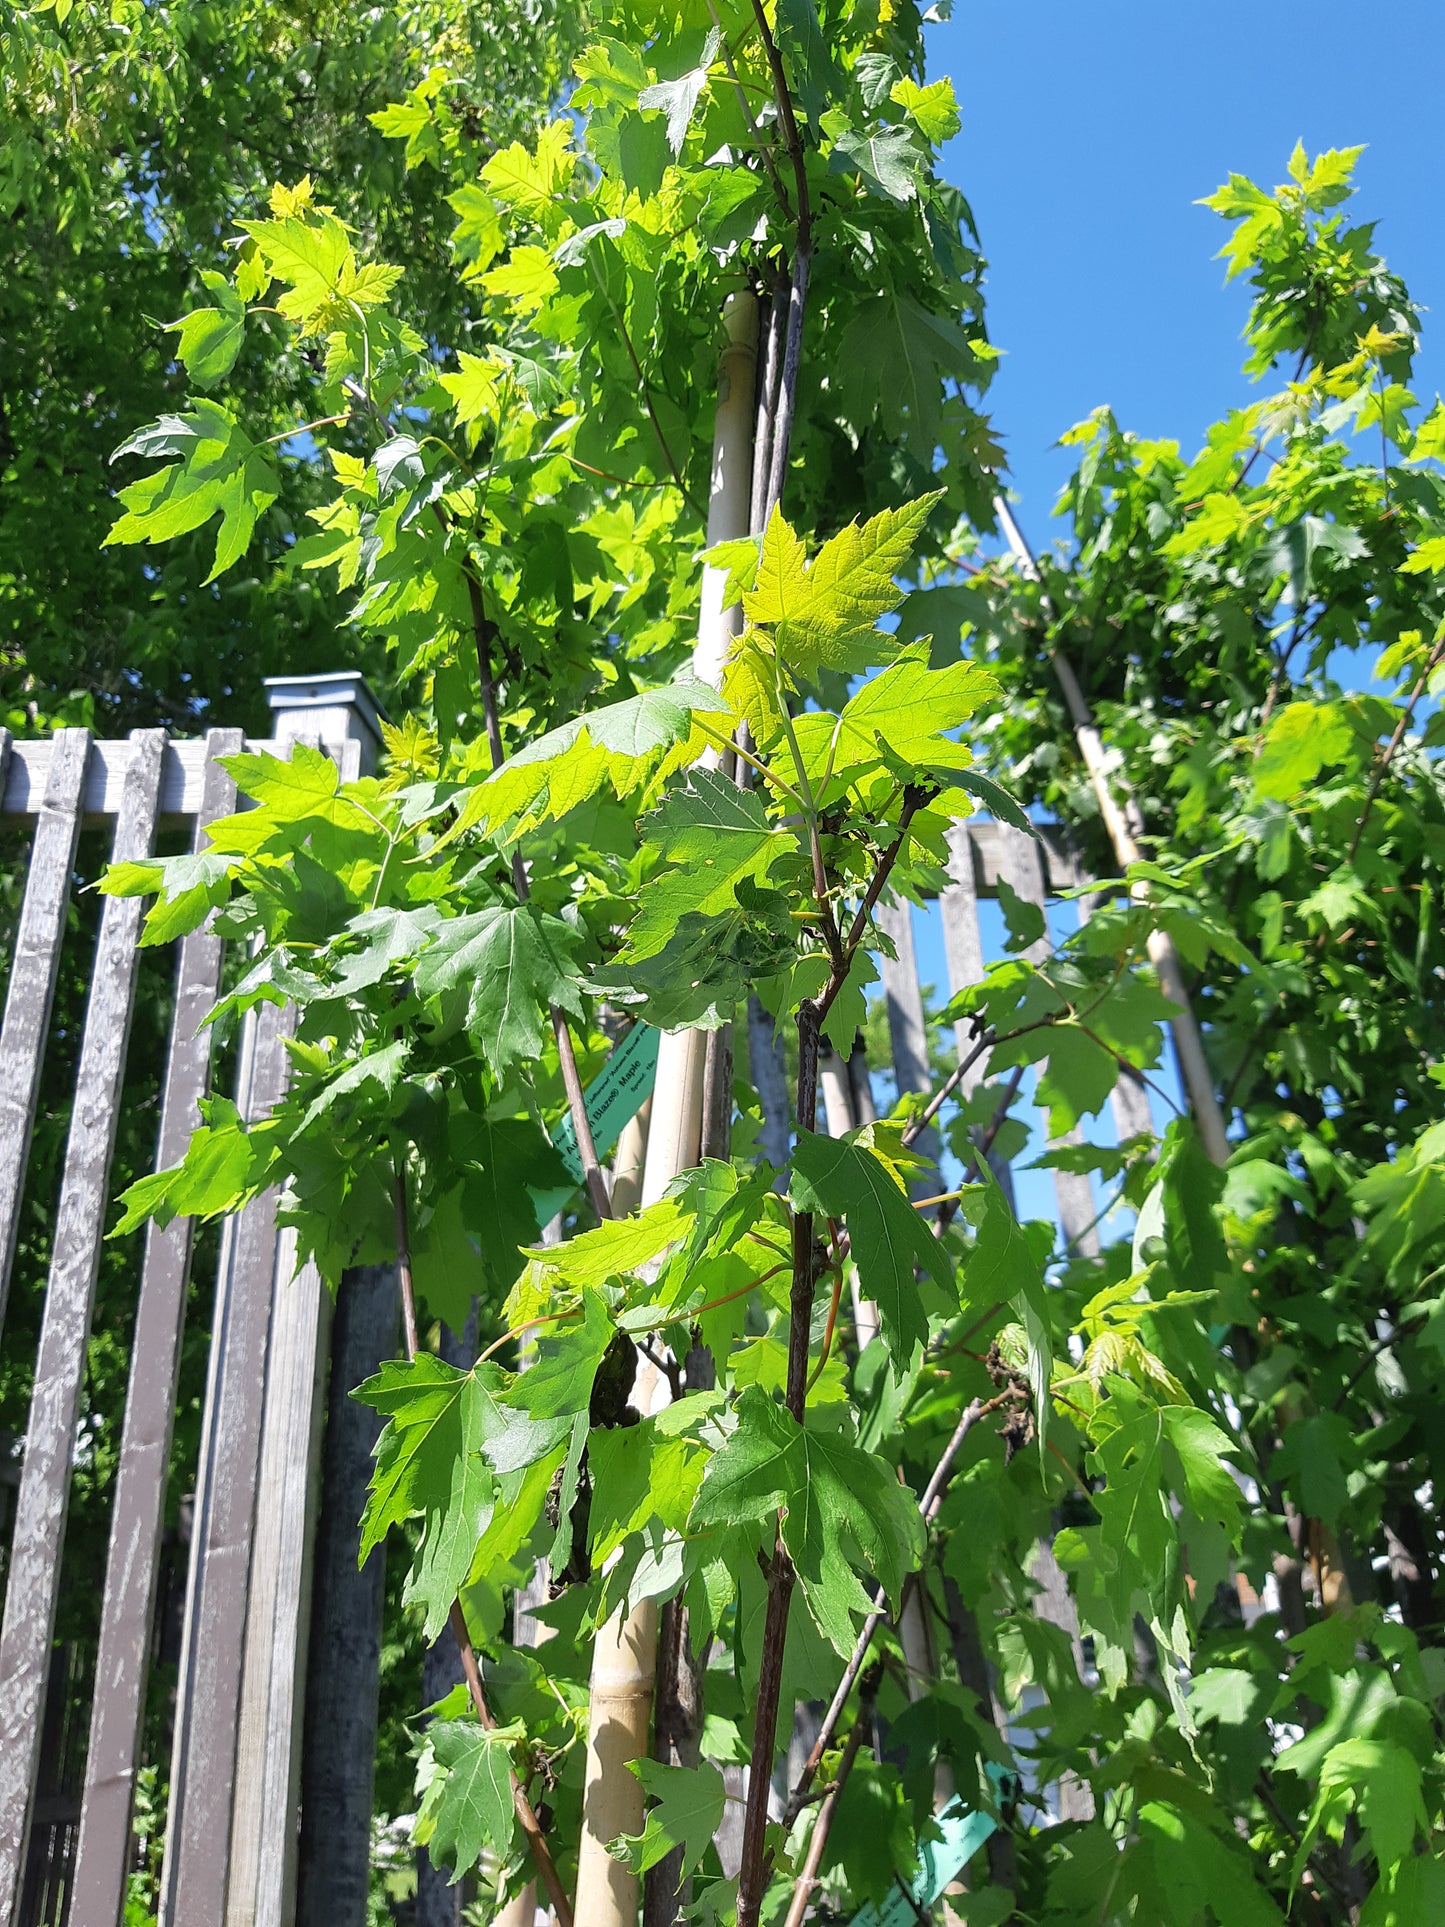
<point x="226" y="1163"/>
<point x="889" y="1239"/>
<point x="890" y="159"/>
<point x="932" y="109"/>
<point x="840" y="1504"/>
<point x="678" y="98"/>
<point x="894" y="359"/>
<point x="1197" y="1871"/>
<point x="379" y="1068"/>
<point x="612" y="1249"/>
<point x="1077" y="1078"/>
<point x="313" y="254"/>
<point x="470" y="1807"/>
<point x="623" y="744"/>
<point x="515" y="962"/>
<point x="220" y="471"/>
<point x="688" y="1808"/>
<point x="1301" y="741"/>
<point x="718" y="836"/>
<point x="824" y="615"/>
<point x="187" y="889"/>
<point x="1381" y="1782"/>
<point x="430" y="1414"/>
<point x="559" y="1381"/>
<point x="454" y="1524"/>
<point x="210" y="338"/>
<point x="503" y="1160"/>
<point x="376" y="942"/>
<point x="645" y="1472"/>
<point x="905" y="710"/>
<point x="473" y="388"/>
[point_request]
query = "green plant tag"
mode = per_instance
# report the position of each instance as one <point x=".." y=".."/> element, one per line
<point x="613" y="1099"/>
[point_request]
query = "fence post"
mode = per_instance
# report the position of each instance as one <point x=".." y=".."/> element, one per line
<point x="231" y="1845"/>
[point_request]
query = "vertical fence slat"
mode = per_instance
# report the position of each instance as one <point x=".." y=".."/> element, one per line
<point x="203" y="1761"/>
<point x="963" y="952"/>
<point x="35" y="1557"/>
<point x="125" y="1635"/>
<point x="907" y="1030"/>
<point x="32" y="976"/>
<point x="263" y="1826"/>
<point x="1021" y="865"/>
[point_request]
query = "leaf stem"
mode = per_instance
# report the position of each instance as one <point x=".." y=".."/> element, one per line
<point x="731" y="743"/>
<point x="592" y="1173"/>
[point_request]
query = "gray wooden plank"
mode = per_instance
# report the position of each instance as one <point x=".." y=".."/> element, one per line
<point x="263" y="1822"/>
<point x="32" y="977"/>
<point x="1130" y="1098"/>
<point x="203" y="1760"/>
<point x="34" y="1575"/>
<point x="183" y="771"/>
<point x="1021" y="864"/>
<point x="963" y="953"/>
<point x="907" y="1031"/>
<point x="232" y="1834"/>
<point x="122" y="1666"/>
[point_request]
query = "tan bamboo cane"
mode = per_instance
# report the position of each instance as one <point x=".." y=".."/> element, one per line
<point x="624" y="1652"/>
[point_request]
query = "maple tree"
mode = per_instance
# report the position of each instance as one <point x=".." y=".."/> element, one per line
<point x="572" y="830"/>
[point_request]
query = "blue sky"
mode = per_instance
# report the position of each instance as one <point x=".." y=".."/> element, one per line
<point x="1088" y="133"/>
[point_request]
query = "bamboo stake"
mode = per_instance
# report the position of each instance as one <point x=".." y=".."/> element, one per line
<point x="624" y="1652"/>
<point x="1125" y="823"/>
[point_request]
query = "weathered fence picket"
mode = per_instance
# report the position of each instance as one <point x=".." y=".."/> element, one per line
<point x="128" y="1602"/>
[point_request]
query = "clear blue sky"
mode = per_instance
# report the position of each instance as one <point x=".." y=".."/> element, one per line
<point x="1089" y="130"/>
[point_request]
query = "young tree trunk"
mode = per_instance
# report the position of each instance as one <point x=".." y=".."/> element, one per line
<point x="338" y="1748"/>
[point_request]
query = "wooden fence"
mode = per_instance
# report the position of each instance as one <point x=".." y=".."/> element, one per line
<point x="245" y="1785"/>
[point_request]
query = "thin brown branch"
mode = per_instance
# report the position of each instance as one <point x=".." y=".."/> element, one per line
<point x="928" y="1507"/>
<point x="1394" y="743"/>
<point x="801" y="268"/>
<point x="770" y="375"/>
<point x="828" y="1811"/>
<point x="765" y="150"/>
<point x="753" y="1872"/>
<point x="914" y="798"/>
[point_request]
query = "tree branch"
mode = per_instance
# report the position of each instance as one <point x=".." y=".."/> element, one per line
<point x="1394" y="743"/>
<point x="801" y="272"/>
<point x="928" y="1507"/>
<point x="823" y="1825"/>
